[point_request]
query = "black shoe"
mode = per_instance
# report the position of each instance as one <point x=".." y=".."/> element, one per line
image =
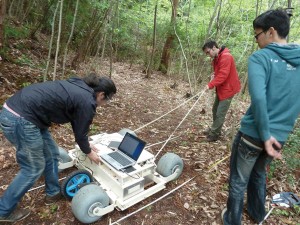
<point x="15" y="216"/>
<point x="49" y="200"/>
<point x="212" y="138"/>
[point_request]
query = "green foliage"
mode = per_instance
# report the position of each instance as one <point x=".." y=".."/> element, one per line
<point x="291" y="155"/>
<point x="24" y="60"/>
<point x="25" y="84"/>
<point x="19" y="32"/>
<point x="288" y="212"/>
<point x="130" y="24"/>
<point x="94" y="129"/>
<point x="281" y="212"/>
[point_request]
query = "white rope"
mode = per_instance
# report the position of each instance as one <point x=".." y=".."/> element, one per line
<point x="266" y="216"/>
<point x="32" y="189"/>
<point x="191" y="98"/>
<point x="151" y="203"/>
<point x="157" y="143"/>
<point x="180" y="123"/>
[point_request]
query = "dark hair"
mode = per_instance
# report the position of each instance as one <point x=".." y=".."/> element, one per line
<point x="210" y="44"/>
<point x="276" y="18"/>
<point x="100" y="84"/>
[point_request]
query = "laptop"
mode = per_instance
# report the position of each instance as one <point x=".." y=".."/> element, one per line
<point x="126" y="154"/>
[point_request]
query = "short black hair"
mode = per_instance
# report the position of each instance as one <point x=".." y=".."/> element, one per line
<point x="100" y="84"/>
<point x="276" y="18"/>
<point x="210" y="44"/>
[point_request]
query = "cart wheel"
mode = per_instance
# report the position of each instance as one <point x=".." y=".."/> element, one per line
<point x="74" y="182"/>
<point x="63" y="157"/>
<point x="86" y="200"/>
<point x="168" y="164"/>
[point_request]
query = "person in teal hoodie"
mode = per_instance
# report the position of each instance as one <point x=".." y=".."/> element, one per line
<point x="274" y="81"/>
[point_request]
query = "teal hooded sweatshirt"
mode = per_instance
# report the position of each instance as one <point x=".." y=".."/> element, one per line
<point x="274" y="87"/>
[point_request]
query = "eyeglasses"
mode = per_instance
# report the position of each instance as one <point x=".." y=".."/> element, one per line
<point x="108" y="98"/>
<point x="256" y="36"/>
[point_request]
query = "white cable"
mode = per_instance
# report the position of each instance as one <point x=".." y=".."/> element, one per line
<point x="180" y="123"/>
<point x="167" y="113"/>
<point x="157" y="143"/>
<point x="32" y="189"/>
<point x="151" y="203"/>
<point x="268" y="214"/>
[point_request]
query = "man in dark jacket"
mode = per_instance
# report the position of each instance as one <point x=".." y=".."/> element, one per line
<point x="226" y="81"/>
<point x="25" y="119"/>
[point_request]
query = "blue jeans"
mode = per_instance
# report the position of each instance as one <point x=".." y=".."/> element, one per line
<point x="36" y="153"/>
<point x="247" y="172"/>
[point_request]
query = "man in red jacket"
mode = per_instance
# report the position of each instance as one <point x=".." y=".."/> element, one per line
<point x="226" y="81"/>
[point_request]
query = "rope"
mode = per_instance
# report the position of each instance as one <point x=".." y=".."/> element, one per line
<point x="151" y="203"/>
<point x="191" y="98"/>
<point x="180" y="123"/>
<point x="268" y="214"/>
<point x="32" y="189"/>
<point x="168" y="193"/>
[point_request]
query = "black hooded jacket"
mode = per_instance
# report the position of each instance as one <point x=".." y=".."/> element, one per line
<point x="58" y="102"/>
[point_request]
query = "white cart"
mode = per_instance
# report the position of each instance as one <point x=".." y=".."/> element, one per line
<point x="96" y="190"/>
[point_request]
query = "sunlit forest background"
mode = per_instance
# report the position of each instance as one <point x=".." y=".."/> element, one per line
<point x="159" y="34"/>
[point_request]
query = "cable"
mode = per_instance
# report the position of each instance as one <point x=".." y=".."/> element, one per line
<point x="191" y="98"/>
<point x="170" y="192"/>
<point x="180" y="123"/>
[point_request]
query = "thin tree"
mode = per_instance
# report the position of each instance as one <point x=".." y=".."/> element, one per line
<point x="2" y="16"/>
<point x="51" y="42"/>
<point x="58" y="39"/>
<point x="111" y="49"/>
<point x="70" y="38"/>
<point x="148" y="69"/>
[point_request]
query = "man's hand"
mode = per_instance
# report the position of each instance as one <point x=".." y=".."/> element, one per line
<point x="94" y="157"/>
<point x="271" y="145"/>
<point x="93" y="147"/>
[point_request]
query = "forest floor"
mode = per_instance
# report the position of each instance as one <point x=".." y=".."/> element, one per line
<point x="137" y="102"/>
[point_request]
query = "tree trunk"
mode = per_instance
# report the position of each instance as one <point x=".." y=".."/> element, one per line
<point x="70" y="38"/>
<point x="165" y="58"/>
<point x="212" y="19"/>
<point x="2" y="16"/>
<point x="58" y="39"/>
<point x="149" y="69"/>
<point x="51" y="43"/>
<point x="46" y="11"/>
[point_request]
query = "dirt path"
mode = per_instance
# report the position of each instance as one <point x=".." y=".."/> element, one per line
<point x="138" y="102"/>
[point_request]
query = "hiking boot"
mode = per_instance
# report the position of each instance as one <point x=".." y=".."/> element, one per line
<point x="16" y="215"/>
<point x="207" y="131"/>
<point x="212" y="138"/>
<point x="49" y="200"/>
<point x="222" y="214"/>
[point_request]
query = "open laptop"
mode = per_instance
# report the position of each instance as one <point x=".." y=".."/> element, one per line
<point x="127" y="153"/>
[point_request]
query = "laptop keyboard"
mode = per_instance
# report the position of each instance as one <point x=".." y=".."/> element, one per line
<point x="119" y="158"/>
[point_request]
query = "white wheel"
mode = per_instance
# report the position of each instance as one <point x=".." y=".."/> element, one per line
<point x="168" y="164"/>
<point x="63" y="157"/>
<point x="86" y="200"/>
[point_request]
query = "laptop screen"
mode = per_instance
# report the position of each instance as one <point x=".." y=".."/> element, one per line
<point x="132" y="146"/>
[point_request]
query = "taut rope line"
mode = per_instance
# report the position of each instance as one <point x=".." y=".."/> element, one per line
<point x="166" y="113"/>
<point x="180" y="123"/>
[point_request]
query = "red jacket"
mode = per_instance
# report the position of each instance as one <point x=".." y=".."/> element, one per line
<point x="226" y="79"/>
